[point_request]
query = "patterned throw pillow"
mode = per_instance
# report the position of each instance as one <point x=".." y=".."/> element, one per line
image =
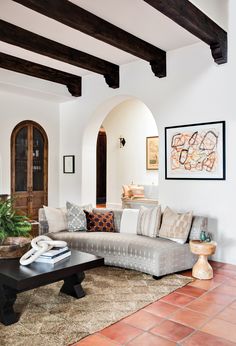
<point x="149" y="220"/>
<point x="100" y="222"/>
<point x="76" y="218"/>
<point x="175" y="226"/>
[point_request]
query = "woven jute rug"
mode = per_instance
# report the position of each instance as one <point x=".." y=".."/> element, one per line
<point x="51" y="318"/>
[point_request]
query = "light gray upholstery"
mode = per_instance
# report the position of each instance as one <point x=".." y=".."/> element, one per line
<point x="154" y="256"/>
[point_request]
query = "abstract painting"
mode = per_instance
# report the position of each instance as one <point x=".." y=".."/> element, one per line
<point x="195" y="151"/>
<point x="152" y="153"/>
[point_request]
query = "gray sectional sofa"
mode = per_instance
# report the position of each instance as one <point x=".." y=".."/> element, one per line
<point x="155" y="256"/>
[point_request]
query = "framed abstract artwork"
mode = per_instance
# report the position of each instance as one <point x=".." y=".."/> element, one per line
<point x="195" y="151"/>
<point x="69" y="164"/>
<point x="152" y="153"/>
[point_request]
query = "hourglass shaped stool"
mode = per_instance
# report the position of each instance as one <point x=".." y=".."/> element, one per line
<point x="202" y="269"/>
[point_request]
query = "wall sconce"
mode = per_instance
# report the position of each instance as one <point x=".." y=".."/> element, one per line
<point x="122" y="142"/>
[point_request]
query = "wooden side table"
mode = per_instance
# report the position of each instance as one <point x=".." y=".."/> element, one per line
<point x="202" y="269"/>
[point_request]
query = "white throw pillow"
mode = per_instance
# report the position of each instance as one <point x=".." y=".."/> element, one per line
<point x="175" y="226"/>
<point x="149" y="220"/>
<point x="56" y="218"/>
<point x="129" y="220"/>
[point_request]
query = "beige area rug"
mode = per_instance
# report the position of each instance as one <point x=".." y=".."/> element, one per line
<point x="55" y="319"/>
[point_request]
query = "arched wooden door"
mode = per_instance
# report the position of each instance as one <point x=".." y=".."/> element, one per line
<point x="29" y="167"/>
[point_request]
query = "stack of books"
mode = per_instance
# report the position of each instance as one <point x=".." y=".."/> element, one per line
<point x="54" y="255"/>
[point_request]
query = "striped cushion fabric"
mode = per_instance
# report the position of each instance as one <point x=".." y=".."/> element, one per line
<point x="149" y="220"/>
<point x="175" y="226"/>
<point x="136" y="191"/>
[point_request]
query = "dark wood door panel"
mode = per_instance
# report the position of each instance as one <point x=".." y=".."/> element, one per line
<point x="29" y="167"/>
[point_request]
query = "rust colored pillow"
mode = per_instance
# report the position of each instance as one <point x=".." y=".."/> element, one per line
<point x="100" y="222"/>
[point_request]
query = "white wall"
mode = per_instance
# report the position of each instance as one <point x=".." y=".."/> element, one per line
<point x="14" y="109"/>
<point x="196" y="90"/>
<point x="132" y="120"/>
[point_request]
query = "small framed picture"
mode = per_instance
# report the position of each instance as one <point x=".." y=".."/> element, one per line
<point x="69" y="164"/>
<point x="152" y="153"/>
<point x="195" y="151"/>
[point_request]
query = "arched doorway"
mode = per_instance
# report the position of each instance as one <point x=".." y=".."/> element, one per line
<point x="88" y="166"/>
<point x="29" y="167"/>
<point x="101" y="167"/>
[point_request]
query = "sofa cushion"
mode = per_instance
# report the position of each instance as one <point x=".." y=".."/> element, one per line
<point x="126" y="191"/>
<point x="175" y="226"/>
<point x="117" y="215"/>
<point x="56" y="218"/>
<point x="136" y="191"/>
<point x="100" y="222"/>
<point x="149" y="220"/>
<point x="129" y="221"/>
<point x="156" y="256"/>
<point x="76" y="217"/>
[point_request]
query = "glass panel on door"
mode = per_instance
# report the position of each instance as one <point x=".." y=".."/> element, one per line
<point x="21" y="149"/>
<point x="38" y="160"/>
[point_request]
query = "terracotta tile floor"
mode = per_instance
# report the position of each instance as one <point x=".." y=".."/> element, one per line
<point x="203" y="313"/>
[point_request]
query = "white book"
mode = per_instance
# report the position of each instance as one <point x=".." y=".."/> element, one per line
<point x="54" y="260"/>
<point x="54" y="251"/>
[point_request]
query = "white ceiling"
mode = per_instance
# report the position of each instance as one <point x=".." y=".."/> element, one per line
<point x="134" y="16"/>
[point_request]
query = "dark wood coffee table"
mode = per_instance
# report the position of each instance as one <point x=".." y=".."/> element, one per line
<point x="15" y="278"/>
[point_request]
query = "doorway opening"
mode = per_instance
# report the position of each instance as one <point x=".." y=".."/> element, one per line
<point x="101" y="189"/>
<point x="29" y="168"/>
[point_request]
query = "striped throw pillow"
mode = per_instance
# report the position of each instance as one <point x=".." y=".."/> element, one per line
<point x="175" y="226"/>
<point x="149" y="220"/>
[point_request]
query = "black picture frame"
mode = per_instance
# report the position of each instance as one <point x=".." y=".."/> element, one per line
<point x="69" y="164"/>
<point x="209" y="151"/>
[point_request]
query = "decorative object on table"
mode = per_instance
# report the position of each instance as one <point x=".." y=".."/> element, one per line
<point x="40" y="245"/>
<point x="202" y="269"/>
<point x="205" y="236"/>
<point x="53" y="256"/>
<point x="82" y="317"/>
<point x="14" y="231"/>
<point x="152" y="153"/>
<point x="195" y="151"/>
<point x="69" y="164"/>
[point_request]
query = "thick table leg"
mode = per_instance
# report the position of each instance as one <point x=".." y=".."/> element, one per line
<point x="7" y="300"/>
<point x="72" y="285"/>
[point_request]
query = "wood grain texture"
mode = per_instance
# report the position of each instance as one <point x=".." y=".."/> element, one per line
<point x="184" y="13"/>
<point x="78" y="18"/>
<point x="29" y="201"/>
<point x="17" y="36"/>
<point x="29" y="68"/>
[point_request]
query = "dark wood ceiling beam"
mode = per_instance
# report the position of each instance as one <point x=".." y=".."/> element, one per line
<point x="29" y="68"/>
<point x="90" y="24"/>
<point x="25" y="39"/>
<point x="184" y="13"/>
